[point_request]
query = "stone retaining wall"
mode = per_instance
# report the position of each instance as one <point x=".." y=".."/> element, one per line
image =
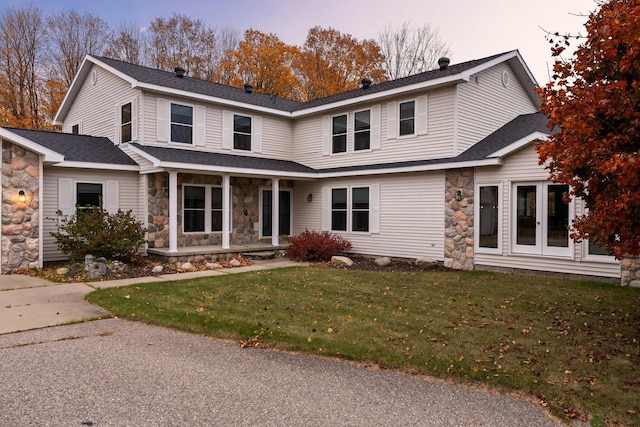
<point x="458" y="218"/>
<point x="20" y="220"/>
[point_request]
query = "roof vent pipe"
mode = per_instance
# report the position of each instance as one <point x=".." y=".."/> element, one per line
<point x="443" y="63"/>
<point x="366" y="82"/>
<point x="248" y="87"/>
<point x="179" y="71"/>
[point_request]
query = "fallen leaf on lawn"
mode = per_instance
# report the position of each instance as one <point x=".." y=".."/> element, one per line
<point x="330" y="330"/>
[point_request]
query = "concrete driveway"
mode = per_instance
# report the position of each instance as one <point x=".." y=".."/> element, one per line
<point x="118" y="373"/>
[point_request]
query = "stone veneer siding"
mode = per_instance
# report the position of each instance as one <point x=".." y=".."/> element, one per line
<point x="458" y="219"/>
<point x="20" y="220"/>
<point x="630" y="272"/>
<point x="245" y="210"/>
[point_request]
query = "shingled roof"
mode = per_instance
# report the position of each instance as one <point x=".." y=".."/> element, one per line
<point x="169" y="80"/>
<point x="77" y="148"/>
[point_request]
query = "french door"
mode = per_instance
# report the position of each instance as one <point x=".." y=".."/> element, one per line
<point x="284" y="213"/>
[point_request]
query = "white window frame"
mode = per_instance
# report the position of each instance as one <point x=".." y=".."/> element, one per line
<point x="350" y="210"/>
<point x="261" y="200"/>
<point x="207" y="209"/>
<point x="122" y="124"/>
<point x="346" y="135"/>
<point x="192" y="126"/>
<point x="477" y="207"/>
<point x="415" y="119"/>
<point x="369" y="130"/>
<point x="234" y="132"/>
<point x="542" y="204"/>
<point x="75" y="192"/>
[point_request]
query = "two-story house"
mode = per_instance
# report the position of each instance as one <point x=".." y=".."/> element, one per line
<point x="439" y="164"/>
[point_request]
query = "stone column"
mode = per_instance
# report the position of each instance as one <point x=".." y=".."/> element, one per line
<point x="20" y="218"/>
<point x="630" y="271"/>
<point x="458" y="217"/>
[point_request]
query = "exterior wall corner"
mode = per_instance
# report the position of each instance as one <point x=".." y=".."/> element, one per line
<point x="459" y="219"/>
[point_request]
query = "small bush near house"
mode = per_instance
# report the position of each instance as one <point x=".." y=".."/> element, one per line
<point x="93" y="230"/>
<point x="316" y="246"/>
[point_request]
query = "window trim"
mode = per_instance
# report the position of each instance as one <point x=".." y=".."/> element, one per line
<point x="193" y="124"/>
<point x="93" y="182"/>
<point x="368" y="130"/>
<point x="346" y="135"/>
<point x="415" y="119"/>
<point x="234" y="132"/>
<point x="261" y="214"/>
<point x="208" y="210"/>
<point x="541" y="247"/>
<point x="122" y="124"/>
<point x="477" y="247"/>
<point x="350" y="209"/>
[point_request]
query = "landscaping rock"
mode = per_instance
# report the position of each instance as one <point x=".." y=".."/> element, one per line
<point x="212" y="265"/>
<point x="424" y="261"/>
<point x="341" y="261"/>
<point x="62" y="271"/>
<point x="383" y="261"/>
<point x="187" y="266"/>
<point x="97" y="270"/>
<point x="234" y="263"/>
<point x="75" y="269"/>
<point x="157" y="269"/>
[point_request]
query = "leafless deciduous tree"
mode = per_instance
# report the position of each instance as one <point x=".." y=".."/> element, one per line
<point x="408" y="50"/>
<point x="71" y="37"/>
<point x="21" y="42"/>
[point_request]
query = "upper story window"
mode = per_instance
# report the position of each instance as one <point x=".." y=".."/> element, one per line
<point x="241" y="132"/>
<point x="339" y="134"/>
<point x="407" y="118"/>
<point x="75" y="129"/>
<point x="126" y="116"/>
<point x="362" y="130"/>
<point x="181" y="123"/>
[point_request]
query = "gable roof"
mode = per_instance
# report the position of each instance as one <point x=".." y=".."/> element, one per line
<point x="76" y="148"/>
<point x="159" y="81"/>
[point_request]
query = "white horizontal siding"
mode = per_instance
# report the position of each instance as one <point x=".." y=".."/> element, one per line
<point x="276" y="131"/>
<point x="522" y="166"/>
<point x="95" y="105"/>
<point x="484" y="105"/>
<point x="129" y="199"/>
<point x="437" y="143"/>
<point x="411" y="214"/>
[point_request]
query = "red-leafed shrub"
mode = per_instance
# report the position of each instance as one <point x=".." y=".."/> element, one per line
<point x="316" y="246"/>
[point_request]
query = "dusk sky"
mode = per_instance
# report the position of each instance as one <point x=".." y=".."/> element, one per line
<point x="472" y="28"/>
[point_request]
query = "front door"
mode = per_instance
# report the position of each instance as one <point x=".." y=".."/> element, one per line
<point x="284" y="220"/>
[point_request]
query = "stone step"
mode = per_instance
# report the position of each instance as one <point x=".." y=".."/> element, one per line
<point x="259" y="255"/>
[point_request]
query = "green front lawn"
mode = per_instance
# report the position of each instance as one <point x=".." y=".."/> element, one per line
<point x="571" y="346"/>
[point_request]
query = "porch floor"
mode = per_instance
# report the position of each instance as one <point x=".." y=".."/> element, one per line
<point x="213" y="252"/>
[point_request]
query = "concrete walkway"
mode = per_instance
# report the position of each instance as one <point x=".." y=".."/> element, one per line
<point x="30" y="302"/>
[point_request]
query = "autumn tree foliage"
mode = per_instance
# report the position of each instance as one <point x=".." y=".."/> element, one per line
<point x="594" y="102"/>
<point x="22" y="33"/>
<point x="182" y="41"/>
<point x="265" y="62"/>
<point x="127" y="43"/>
<point x="331" y="62"/>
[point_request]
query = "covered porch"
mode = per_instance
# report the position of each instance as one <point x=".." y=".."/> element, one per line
<point x="261" y="250"/>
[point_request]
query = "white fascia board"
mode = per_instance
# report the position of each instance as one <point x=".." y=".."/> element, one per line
<point x="238" y="171"/>
<point x="408" y="169"/>
<point x="519" y="144"/>
<point x="49" y="155"/>
<point x="212" y="99"/>
<point x="449" y="80"/>
<point x="88" y="165"/>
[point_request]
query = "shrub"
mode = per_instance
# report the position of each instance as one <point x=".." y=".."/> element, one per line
<point x="316" y="246"/>
<point x="95" y="231"/>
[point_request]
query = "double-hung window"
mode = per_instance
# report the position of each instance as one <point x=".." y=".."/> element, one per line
<point x="362" y="130"/>
<point x="241" y="132"/>
<point x="181" y="123"/>
<point x="126" y="119"/>
<point x="350" y="209"/>
<point x="339" y="134"/>
<point x="407" y="118"/>
<point x="202" y="209"/>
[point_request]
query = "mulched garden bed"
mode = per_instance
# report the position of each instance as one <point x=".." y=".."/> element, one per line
<point x="402" y="265"/>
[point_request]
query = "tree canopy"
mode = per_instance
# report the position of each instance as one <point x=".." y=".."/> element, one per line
<point x="593" y="100"/>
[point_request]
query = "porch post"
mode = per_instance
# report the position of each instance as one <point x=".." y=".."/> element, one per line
<point x="226" y="211"/>
<point x="275" y="211"/>
<point x="173" y="211"/>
